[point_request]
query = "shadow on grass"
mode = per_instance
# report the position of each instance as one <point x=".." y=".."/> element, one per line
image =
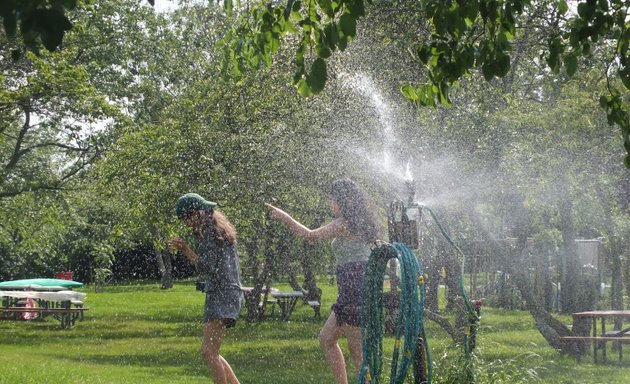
<point x="255" y="361"/>
<point x="137" y="327"/>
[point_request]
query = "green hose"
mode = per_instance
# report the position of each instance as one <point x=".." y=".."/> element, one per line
<point x="410" y="321"/>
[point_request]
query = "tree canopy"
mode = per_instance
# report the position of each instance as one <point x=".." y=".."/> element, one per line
<point x="452" y="39"/>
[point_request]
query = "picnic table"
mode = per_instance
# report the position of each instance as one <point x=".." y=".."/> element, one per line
<point x="248" y="294"/>
<point x="600" y="338"/>
<point x="286" y="302"/>
<point x="37" y="298"/>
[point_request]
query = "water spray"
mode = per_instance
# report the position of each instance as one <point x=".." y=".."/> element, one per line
<point x="403" y="216"/>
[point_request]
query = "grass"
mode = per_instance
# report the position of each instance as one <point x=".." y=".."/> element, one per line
<point x="138" y="333"/>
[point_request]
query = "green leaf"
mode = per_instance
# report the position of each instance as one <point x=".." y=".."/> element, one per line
<point x="295" y="11"/>
<point x="469" y="9"/>
<point x="331" y="35"/>
<point x="563" y="8"/>
<point x="587" y="10"/>
<point x="288" y="9"/>
<point x="356" y="8"/>
<point x="323" y="51"/>
<point x="342" y="42"/>
<point x="502" y="64"/>
<point x="326" y="6"/>
<point x="409" y="92"/>
<point x="443" y="93"/>
<point x="304" y="89"/>
<point x="71" y="4"/>
<point x="487" y="71"/>
<point x="54" y="24"/>
<point x="570" y="62"/>
<point x="317" y="78"/>
<point x="348" y="25"/>
<point x="553" y="62"/>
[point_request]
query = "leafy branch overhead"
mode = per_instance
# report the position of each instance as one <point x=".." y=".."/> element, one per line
<point x="40" y="22"/>
<point x="320" y="27"/>
<point x="465" y="35"/>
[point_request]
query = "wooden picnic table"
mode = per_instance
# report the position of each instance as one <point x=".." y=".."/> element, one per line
<point x="601" y="337"/>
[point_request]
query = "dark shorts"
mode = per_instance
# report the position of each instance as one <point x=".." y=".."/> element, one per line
<point x="348" y="306"/>
<point x="228" y="323"/>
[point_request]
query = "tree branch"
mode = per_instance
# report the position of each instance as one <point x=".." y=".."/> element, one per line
<point x="20" y="139"/>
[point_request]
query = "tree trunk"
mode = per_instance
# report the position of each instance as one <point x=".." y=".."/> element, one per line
<point x="624" y="204"/>
<point x="570" y="269"/>
<point x="313" y="293"/>
<point x="550" y="328"/>
<point x="253" y="266"/>
<point x="453" y="274"/>
<point x="262" y="281"/>
<point x="163" y="259"/>
<point x="615" y="251"/>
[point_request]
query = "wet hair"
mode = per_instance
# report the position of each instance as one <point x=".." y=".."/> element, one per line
<point x="355" y="209"/>
<point x="223" y="231"/>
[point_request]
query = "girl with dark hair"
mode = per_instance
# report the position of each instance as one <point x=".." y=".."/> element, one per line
<point x="216" y="258"/>
<point x="352" y="230"/>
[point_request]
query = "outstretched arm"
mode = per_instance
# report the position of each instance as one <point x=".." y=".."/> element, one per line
<point x="328" y="231"/>
<point x="180" y="245"/>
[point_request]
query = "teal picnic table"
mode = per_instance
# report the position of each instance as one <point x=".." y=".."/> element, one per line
<point x="31" y="299"/>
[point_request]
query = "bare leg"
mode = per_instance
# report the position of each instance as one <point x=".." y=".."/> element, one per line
<point x="328" y="339"/>
<point x="229" y="373"/>
<point x="353" y="334"/>
<point x="220" y="370"/>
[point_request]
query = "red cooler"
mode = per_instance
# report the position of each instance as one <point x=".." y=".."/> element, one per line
<point x="64" y="275"/>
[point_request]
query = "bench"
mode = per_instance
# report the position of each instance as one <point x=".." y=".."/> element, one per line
<point x="316" y="308"/>
<point x="617" y="333"/>
<point x="599" y="342"/>
<point x="66" y="316"/>
<point x="268" y="302"/>
<point x="622" y="339"/>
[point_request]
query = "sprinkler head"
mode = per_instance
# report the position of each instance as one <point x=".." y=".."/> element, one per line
<point x="411" y="191"/>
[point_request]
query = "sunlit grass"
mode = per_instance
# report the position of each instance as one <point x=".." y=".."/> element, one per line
<point x="138" y="333"/>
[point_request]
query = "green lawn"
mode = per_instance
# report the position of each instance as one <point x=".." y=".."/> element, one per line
<point x="142" y="334"/>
